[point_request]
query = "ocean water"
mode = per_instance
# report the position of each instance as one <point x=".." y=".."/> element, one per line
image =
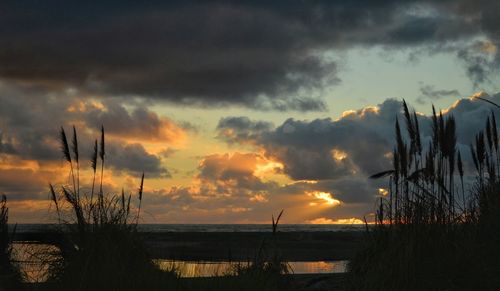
<point x="155" y="228"/>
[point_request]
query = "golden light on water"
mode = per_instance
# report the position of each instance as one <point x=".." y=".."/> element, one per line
<point x="191" y="269"/>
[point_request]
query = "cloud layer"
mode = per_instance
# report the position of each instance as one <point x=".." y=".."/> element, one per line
<point x="316" y="169"/>
<point x="258" y="54"/>
<point x="338" y="156"/>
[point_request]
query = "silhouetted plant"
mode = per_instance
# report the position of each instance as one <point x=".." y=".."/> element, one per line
<point x="430" y="234"/>
<point x="268" y="266"/>
<point x="10" y="275"/>
<point x="103" y="249"/>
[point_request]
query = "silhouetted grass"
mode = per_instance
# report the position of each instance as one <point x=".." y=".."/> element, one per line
<point x="268" y="265"/>
<point x="432" y="232"/>
<point x="10" y="276"/>
<point x="102" y="250"/>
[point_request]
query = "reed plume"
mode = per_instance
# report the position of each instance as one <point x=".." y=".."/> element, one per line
<point x="67" y="154"/>
<point x="102" y="154"/>
<point x="141" y="189"/>
<point x="93" y="166"/>
<point x="74" y="148"/>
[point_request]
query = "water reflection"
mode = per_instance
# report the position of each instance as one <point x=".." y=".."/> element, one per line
<point x="189" y="269"/>
<point x="34" y="261"/>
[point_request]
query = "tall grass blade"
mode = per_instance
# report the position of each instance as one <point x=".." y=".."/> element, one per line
<point x="64" y="145"/>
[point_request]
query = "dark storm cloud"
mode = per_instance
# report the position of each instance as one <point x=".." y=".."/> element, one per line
<point x="259" y="54"/>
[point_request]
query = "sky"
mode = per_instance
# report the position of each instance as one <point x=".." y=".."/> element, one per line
<point x="234" y="110"/>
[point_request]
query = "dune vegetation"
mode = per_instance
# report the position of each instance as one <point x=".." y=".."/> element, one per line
<point x="10" y="275"/>
<point x="101" y="248"/>
<point x="437" y="228"/>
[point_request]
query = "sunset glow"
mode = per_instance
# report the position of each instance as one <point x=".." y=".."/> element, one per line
<point x="263" y="107"/>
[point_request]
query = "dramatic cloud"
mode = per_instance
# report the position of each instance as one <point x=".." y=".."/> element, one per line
<point x="339" y="155"/>
<point x="318" y="169"/>
<point x="324" y="148"/>
<point x="228" y="187"/>
<point x="233" y="175"/>
<point x="30" y="126"/>
<point x="259" y="54"/>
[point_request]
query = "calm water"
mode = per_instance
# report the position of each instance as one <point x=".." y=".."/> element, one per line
<point x="33" y="265"/>
<point x="21" y="228"/>
<point x="189" y="269"/>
